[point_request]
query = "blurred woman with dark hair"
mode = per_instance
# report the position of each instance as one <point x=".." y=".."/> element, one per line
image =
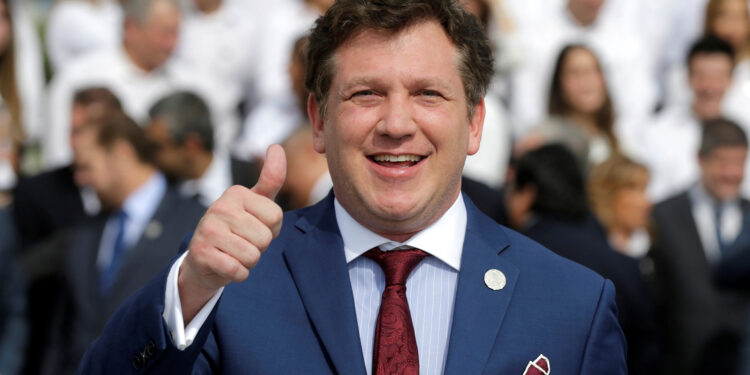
<point x="581" y="114"/>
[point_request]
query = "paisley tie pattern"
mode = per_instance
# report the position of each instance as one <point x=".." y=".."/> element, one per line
<point x="395" y="350"/>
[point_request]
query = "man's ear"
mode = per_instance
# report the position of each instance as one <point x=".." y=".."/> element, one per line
<point x="475" y="127"/>
<point x="316" y="122"/>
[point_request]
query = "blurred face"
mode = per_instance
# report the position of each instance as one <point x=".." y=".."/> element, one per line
<point x="170" y="157"/>
<point x="585" y="11"/>
<point x="152" y="43"/>
<point x="710" y="77"/>
<point x="582" y="82"/>
<point x="97" y="168"/>
<point x="732" y="23"/>
<point x="631" y="207"/>
<point x="722" y="171"/>
<point x="397" y="130"/>
<point x="5" y="28"/>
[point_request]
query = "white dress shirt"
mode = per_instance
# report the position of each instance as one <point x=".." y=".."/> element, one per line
<point x="215" y="180"/>
<point x="430" y="289"/>
<point x="77" y="27"/>
<point x="137" y="89"/>
<point x="221" y="44"/>
<point x="703" y="210"/>
<point x="139" y="208"/>
<point x="29" y="70"/>
<point x="490" y="163"/>
<point x="274" y="112"/>
<point x="670" y="150"/>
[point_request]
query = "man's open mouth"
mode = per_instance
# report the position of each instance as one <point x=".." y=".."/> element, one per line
<point x="396" y="161"/>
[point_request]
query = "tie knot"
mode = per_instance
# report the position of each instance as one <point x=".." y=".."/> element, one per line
<point x="396" y="264"/>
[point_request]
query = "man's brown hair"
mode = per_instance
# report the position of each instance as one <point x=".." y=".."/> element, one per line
<point x="118" y="126"/>
<point x="346" y="18"/>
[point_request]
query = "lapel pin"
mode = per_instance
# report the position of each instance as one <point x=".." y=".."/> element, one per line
<point x="494" y="279"/>
<point x="153" y="230"/>
<point x="540" y="366"/>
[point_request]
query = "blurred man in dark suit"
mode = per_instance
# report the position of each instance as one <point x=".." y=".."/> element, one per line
<point x="693" y="230"/>
<point x="110" y="256"/>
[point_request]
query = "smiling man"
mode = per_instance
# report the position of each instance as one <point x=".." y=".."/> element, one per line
<point x="396" y="272"/>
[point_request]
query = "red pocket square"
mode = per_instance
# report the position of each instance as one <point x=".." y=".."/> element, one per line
<point x="540" y="366"/>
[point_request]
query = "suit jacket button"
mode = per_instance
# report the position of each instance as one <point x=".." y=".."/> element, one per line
<point x="137" y="362"/>
<point x="150" y="349"/>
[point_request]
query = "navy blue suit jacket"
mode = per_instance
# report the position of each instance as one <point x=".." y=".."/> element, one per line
<point x="295" y="313"/>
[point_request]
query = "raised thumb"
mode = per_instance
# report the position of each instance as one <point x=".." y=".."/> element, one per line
<point x="273" y="174"/>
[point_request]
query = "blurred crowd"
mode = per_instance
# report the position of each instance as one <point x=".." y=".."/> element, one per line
<point x="615" y="135"/>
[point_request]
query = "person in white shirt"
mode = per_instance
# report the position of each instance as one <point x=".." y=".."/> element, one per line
<point x="139" y="72"/>
<point x="273" y="109"/>
<point x="671" y="141"/>
<point x="77" y="27"/>
<point x="624" y="52"/>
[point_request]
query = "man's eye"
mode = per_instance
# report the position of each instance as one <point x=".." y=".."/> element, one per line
<point x="364" y="93"/>
<point x="430" y="93"/>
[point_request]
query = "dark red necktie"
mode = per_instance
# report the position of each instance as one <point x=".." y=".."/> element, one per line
<point x="395" y="350"/>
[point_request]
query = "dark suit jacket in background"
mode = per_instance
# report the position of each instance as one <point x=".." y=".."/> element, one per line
<point x="585" y="242"/>
<point x="83" y="311"/>
<point x="295" y="313"/>
<point x="244" y="173"/>
<point x="44" y="205"/>
<point x="703" y="323"/>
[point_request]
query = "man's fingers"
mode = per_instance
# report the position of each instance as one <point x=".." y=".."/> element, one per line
<point x="273" y="174"/>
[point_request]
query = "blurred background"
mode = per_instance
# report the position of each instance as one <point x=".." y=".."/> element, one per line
<point x="615" y="135"/>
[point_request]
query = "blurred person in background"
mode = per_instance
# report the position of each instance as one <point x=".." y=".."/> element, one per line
<point x="621" y="45"/>
<point x="730" y="21"/>
<point x="307" y="179"/>
<point x="617" y="192"/>
<point x="13" y="329"/>
<point x="181" y="129"/>
<point x="489" y="165"/>
<point x="44" y="206"/>
<point x="220" y="37"/>
<point x="13" y="322"/>
<point x="273" y="110"/>
<point x="139" y="72"/>
<point x="255" y="139"/>
<point x="77" y="27"/>
<point x="703" y="325"/>
<point x="110" y="256"/>
<point x="20" y="42"/>
<point x="546" y="200"/>
<point x="670" y="143"/>
<point x="580" y="110"/>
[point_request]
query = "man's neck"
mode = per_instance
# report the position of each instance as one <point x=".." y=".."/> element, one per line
<point x="133" y="57"/>
<point x="703" y="113"/>
<point x="578" y="17"/>
<point x="137" y="177"/>
<point x="208" y="6"/>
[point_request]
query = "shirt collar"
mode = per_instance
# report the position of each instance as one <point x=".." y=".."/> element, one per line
<point x="443" y="239"/>
<point x="141" y="204"/>
<point x="214" y="181"/>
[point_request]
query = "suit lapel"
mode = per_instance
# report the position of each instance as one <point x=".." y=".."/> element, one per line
<point x="478" y="310"/>
<point x="316" y="261"/>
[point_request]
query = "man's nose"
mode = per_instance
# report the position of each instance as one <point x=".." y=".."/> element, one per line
<point x="397" y="120"/>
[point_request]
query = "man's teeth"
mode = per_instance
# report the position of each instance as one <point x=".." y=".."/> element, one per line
<point x="397" y="158"/>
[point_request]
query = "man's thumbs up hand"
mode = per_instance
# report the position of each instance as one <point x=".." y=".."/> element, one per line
<point x="232" y="235"/>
